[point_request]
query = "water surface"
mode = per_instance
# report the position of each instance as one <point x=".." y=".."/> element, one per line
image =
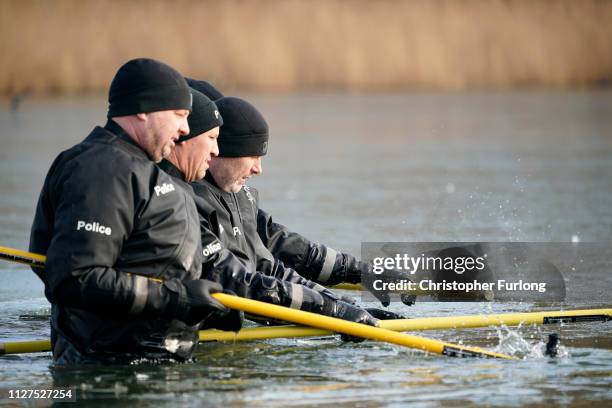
<point x="347" y="168"/>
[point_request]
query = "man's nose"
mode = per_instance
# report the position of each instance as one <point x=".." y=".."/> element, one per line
<point x="257" y="168"/>
<point x="184" y="128"/>
<point x="214" y="152"/>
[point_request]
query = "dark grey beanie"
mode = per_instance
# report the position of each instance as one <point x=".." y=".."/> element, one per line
<point x="145" y="85"/>
<point x="203" y="117"/>
<point x="205" y="87"/>
<point x="244" y="131"/>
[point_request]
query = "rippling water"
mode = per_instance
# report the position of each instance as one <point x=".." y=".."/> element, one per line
<point x="347" y="168"/>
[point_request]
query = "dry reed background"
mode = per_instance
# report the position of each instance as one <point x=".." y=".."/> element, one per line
<point x="75" y="46"/>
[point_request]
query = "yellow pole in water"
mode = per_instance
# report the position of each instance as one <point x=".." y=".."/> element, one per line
<point x="312" y="319"/>
<point x="352" y="328"/>
<point x="24" y="257"/>
<point x="31" y="346"/>
<point x="508" y="319"/>
<point x="426" y="323"/>
<point x="420" y="324"/>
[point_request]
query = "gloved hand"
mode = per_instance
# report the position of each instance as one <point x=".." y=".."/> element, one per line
<point x="395" y="276"/>
<point x="348" y="299"/>
<point x="384" y="314"/>
<point x="334" y="295"/>
<point x="189" y="301"/>
<point x="230" y="321"/>
<point x="346" y="311"/>
<point x="408" y="299"/>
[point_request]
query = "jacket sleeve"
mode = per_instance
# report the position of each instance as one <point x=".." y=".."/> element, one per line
<point x="222" y="266"/>
<point x="93" y="217"/>
<point x="313" y="261"/>
<point x="281" y="272"/>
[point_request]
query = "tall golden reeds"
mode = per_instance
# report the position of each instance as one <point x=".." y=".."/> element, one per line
<point x="74" y="46"/>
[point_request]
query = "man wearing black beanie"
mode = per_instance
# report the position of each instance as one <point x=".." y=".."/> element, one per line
<point x="188" y="163"/>
<point x="232" y="212"/>
<point x="193" y="152"/>
<point x="243" y="142"/>
<point x="122" y="241"/>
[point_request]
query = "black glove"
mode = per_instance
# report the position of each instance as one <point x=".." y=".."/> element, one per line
<point x="408" y="299"/>
<point x="384" y="314"/>
<point x="348" y="299"/>
<point x="189" y="301"/>
<point x="346" y="311"/>
<point x="395" y="276"/>
<point x="224" y="320"/>
<point x="230" y="321"/>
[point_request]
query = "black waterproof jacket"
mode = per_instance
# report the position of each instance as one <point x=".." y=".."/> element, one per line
<point x="221" y="265"/>
<point x="108" y="220"/>
<point x="242" y="222"/>
<point x="269" y="247"/>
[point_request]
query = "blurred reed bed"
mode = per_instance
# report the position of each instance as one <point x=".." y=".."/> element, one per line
<point x="74" y="46"/>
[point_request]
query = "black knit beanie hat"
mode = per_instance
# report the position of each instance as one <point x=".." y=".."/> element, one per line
<point x="205" y="87"/>
<point x="145" y="85"/>
<point x="244" y="132"/>
<point x="203" y="117"/>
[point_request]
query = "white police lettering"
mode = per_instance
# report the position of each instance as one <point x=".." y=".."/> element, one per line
<point x="237" y="231"/>
<point x="216" y="114"/>
<point x="93" y="227"/>
<point x="212" y="248"/>
<point x="163" y="189"/>
<point x="247" y="191"/>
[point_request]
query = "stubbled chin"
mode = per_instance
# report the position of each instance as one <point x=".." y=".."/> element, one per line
<point x="156" y="158"/>
<point x="165" y="153"/>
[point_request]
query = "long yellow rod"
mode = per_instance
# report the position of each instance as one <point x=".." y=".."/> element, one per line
<point x="352" y="328"/>
<point x="326" y="322"/>
<point x="24" y="257"/>
<point x="420" y="324"/>
<point x="425" y="323"/>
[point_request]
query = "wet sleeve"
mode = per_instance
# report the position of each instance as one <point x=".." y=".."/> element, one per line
<point x="93" y="217"/>
<point x="313" y="261"/>
<point x="281" y="272"/>
<point x="222" y="266"/>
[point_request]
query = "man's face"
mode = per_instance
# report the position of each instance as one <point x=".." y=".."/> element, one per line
<point x="162" y="130"/>
<point x="204" y="148"/>
<point x="231" y="173"/>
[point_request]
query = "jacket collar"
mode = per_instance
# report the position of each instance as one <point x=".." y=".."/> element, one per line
<point x="208" y="178"/>
<point x="171" y="169"/>
<point x="117" y="131"/>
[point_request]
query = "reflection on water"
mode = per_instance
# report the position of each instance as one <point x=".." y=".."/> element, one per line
<point x="343" y="169"/>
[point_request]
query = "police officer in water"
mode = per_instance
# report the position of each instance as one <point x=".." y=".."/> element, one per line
<point x="188" y="162"/>
<point x="122" y="237"/>
<point x="250" y="232"/>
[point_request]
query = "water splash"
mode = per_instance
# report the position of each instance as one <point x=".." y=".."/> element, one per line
<point x="518" y="343"/>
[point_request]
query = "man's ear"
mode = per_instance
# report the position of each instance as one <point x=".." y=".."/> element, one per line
<point x="142" y="116"/>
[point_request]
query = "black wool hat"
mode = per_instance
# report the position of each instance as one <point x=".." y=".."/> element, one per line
<point x="205" y="87"/>
<point x="145" y="85"/>
<point x="203" y="117"/>
<point x="244" y="132"/>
